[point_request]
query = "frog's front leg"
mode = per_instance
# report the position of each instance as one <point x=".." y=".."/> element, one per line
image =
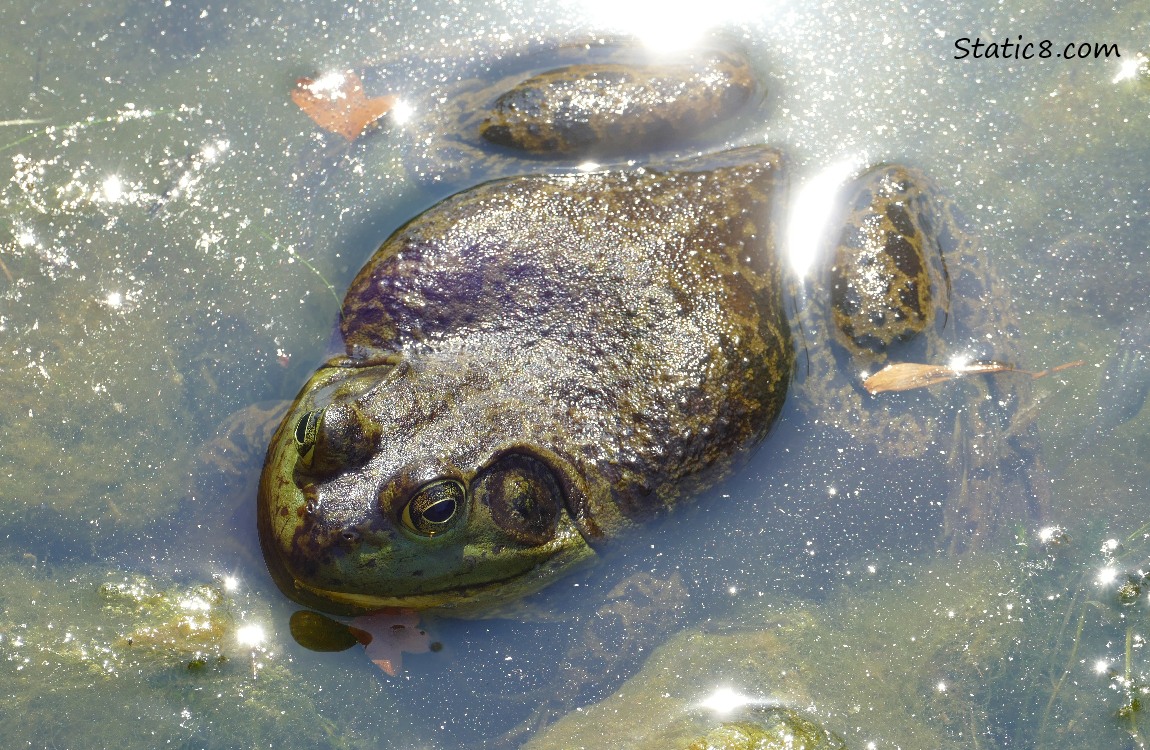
<point x="637" y="614"/>
<point x="237" y="450"/>
<point x="1002" y="481"/>
<point x="216" y="510"/>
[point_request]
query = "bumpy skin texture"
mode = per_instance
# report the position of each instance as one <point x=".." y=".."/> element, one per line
<point x="538" y="117"/>
<point x="888" y="279"/>
<point x="607" y="110"/>
<point x="576" y="354"/>
<point x="538" y="364"/>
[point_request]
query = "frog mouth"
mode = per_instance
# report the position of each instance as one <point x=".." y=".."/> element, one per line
<point x="472" y="600"/>
<point x="479" y="596"/>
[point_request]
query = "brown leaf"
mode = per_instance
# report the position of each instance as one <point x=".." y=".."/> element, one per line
<point x="388" y="634"/>
<point x="903" y="376"/>
<point x="337" y="104"/>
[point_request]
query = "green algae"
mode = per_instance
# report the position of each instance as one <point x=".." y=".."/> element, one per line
<point x="1041" y="647"/>
<point x="74" y="646"/>
<point x="892" y="663"/>
<point x="1089" y="673"/>
<point x="778" y="729"/>
<point x="127" y="661"/>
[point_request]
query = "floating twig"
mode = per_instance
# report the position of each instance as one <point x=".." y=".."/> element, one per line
<point x="905" y="376"/>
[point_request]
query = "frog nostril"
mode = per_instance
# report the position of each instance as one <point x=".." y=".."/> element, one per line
<point x="312" y="502"/>
<point x="350" y="536"/>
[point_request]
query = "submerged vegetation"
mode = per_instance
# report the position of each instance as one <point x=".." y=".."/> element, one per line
<point x="1043" y="647"/>
<point x="133" y="662"/>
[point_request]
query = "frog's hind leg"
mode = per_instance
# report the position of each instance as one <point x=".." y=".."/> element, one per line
<point x="1002" y="481"/>
<point x="999" y="488"/>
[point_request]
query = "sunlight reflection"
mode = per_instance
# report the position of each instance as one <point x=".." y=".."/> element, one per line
<point x="195" y="604"/>
<point x="812" y="209"/>
<point x="959" y="362"/>
<point x="401" y="111"/>
<point x="670" y="24"/>
<point x="214" y="150"/>
<point x="1128" y="69"/>
<point x="25" y="237"/>
<point x="251" y="636"/>
<point x="329" y="85"/>
<point x="113" y="189"/>
<point x="724" y="700"/>
<point x="1107" y="576"/>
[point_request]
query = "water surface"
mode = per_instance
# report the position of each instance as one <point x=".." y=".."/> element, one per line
<point x="175" y="236"/>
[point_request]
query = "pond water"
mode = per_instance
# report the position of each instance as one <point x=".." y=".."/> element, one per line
<point x="175" y="237"/>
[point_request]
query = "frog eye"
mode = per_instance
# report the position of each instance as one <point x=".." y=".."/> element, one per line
<point x="434" y="508"/>
<point x="306" y="430"/>
<point x="336" y="438"/>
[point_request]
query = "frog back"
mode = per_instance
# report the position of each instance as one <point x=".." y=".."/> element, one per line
<point x="635" y="316"/>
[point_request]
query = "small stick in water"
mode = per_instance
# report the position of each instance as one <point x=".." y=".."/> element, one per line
<point x="905" y="376"/>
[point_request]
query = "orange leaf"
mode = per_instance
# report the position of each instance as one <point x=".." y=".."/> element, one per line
<point x="338" y="104"/>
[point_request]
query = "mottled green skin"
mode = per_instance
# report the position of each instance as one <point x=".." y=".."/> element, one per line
<point x="888" y="279"/>
<point x="625" y="103"/>
<point x="622" y="333"/>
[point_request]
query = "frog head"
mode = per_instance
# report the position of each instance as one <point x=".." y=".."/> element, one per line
<point x="419" y="483"/>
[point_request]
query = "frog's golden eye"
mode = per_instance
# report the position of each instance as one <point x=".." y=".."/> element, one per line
<point x="434" y="509"/>
<point x="306" y="431"/>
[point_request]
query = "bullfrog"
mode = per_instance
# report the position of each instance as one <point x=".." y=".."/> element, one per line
<point x="539" y="364"/>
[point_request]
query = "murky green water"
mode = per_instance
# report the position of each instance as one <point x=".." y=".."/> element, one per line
<point x="175" y="235"/>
